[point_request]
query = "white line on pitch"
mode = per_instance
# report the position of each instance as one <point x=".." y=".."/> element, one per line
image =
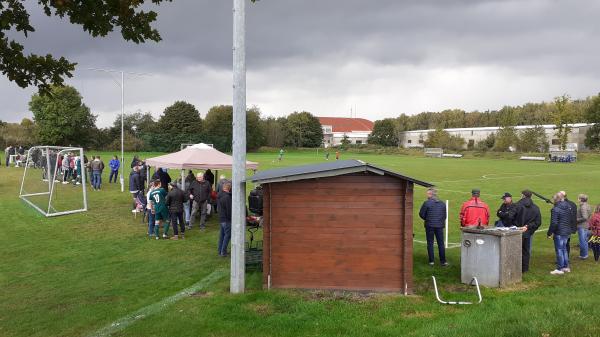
<point x="159" y="306"/>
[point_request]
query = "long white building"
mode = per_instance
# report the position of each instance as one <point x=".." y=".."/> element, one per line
<point x="417" y="138"/>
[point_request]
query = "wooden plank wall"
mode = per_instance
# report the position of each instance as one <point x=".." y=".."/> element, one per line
<point x="347" y="232"/>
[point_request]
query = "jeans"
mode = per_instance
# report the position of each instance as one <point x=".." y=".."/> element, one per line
<point x="560" y="247"/>
<point x="151" y="225"/>
<point x="177" y="217"/>
<point x="114" y="173"/>
<point x="96" y="179"/>
<point x="430" y="232"/>
<point x="582" y="233"/>
<point x="526" y="252"/>
<point x="198" y="205"/>
<point x="186" y="211"/>
<point x="224" y="237"/>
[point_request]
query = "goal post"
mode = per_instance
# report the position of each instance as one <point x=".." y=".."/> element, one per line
<point x="434" y="152"/>
<point x="41" y="187"/>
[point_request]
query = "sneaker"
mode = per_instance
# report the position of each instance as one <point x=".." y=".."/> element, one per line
<point x="175" y="237"/>
<point x="431" y="263"/>
<point x="165" y="236"/>
<point x="65" y="182"/>
<point x="566" y="270"/>
<point x="583" y="257"/>
<point x="557" y="272"/>
<point x="78" y="183"/>
<point x="445" y="264"/>
<point x="157" y="238"/>
<point x="188" y="227"/>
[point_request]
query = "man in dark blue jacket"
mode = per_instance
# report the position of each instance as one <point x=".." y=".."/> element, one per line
<point x="433" y="212"/>
<point x="224" y="218"/>
<point x="560" y="230"/>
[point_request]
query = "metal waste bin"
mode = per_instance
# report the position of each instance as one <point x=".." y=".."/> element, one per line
<point x="492" y="255"/>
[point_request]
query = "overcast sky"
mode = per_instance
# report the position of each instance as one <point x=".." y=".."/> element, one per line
<point x="384" y="57"/>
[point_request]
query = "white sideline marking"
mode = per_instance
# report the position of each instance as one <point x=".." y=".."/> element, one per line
<point x="450" y="244"/>
<point x="159" y="306"/>
<point x="487" y="177"/>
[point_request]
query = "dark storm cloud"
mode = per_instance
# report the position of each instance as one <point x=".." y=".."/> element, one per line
<point x="529" y="37"/>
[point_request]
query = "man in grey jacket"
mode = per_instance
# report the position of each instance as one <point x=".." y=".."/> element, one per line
<point x="584" y="212"/>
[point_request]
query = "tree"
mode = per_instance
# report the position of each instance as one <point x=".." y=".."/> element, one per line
<point x="219" y="130"/>
<point x="98" y="18"/>
<point x="443" y="139"/>
<point x="487" y="143"/>
<point x="61" y="117"/>
<point x="345" y="142"/>
<point x="533" y="140"/>
<point x="592" y="113"/>
<point x="273" y="131"/>
<point x="180" y="117"/>
<point x="506" y="138"/>
<point x="592" y="137"/>
<point x="302" y="129"/>
<point x="562" y="117"/>
<point x="384" y="133"/>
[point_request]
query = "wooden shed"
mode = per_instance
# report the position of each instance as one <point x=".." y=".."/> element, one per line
<point x="338" y="225"/>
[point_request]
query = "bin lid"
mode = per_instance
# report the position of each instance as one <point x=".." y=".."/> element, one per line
<point x="492" y="231"/>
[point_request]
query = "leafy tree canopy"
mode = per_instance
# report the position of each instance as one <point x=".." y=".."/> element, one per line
<point x="384" y="133"/>
<point x="302" y="129"/>
<point x="98" y="18"/>
<point x="61" y="117"/>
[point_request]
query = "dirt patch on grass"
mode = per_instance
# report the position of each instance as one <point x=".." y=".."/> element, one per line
<point x="523" y="286"/>
<point x="261" y="309"/>
<point x="339" y="295"/>
<point x="202" y="294"/>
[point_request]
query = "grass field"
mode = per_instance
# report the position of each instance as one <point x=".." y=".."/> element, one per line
<point x="76" y="275"/>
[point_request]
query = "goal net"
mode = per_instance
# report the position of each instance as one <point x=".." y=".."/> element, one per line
<point x="434" y="152"/>
<point x="564" y="156"/>
<point x="54" y="180"/>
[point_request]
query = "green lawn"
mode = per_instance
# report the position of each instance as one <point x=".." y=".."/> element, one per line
<point x="74" y="275"/>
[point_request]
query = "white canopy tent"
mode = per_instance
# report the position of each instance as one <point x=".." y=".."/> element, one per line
<point x="198" y="157"/>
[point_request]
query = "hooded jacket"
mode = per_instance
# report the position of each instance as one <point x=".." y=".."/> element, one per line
<point x="560" y="220"/>
<point x="175" y="200"/>
<point x="474" y="212"/>
<point x="224" y="206"/>
<point x="572" y="215"/>
<point x="200" y="190"/>
<point x="135" y="183"/>
<point x="433" y="211"/>
<point x="528" y="214"/>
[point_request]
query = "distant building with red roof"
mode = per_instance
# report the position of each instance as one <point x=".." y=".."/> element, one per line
<point x="335" y="128"/>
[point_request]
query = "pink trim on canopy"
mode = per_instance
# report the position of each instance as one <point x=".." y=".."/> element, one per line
<point x="199" y="156"/>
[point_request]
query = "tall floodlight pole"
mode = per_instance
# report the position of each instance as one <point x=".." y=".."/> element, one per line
<point x="122" y="86"/>
<point x="121" y="179"/>
<point x="238" y="214"/>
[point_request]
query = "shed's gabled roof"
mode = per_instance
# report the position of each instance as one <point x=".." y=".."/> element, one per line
<point x="329" y="169"/>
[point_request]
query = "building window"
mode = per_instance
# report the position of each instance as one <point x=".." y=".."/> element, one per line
<point x="555" y="142"/>
<point x="421" y="141"/>
<point x="409" y="141"/>
<point x="359" y="142"/>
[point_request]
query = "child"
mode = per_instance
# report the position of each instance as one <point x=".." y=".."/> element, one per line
<point x="594" y="241"/>
<point x="150" y="212"/>
<point x="161" y="214"/>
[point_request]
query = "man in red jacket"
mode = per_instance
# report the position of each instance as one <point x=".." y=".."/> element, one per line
<point x="474" y="212"/>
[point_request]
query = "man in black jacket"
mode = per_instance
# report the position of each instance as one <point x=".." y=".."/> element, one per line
<point x="199" y="193"/>
<point x="135" y="184"/>
<point x="224" y="219"/>
<point x="529" y="219"/>
<point x="572" y="218"/>
<point x="175" y="200"/>
<point x="507" y="212"/>
<point x="433" y="211"/>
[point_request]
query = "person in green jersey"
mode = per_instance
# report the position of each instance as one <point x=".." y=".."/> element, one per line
<point x="159" y="209"/>
<point x="280" y="154"/>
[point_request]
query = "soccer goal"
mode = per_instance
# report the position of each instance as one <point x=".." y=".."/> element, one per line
<point x="564" y="156"/>
<point x="54" y="180"/>
<point x="434" y="152"/>
<point x="185" y="145"/>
